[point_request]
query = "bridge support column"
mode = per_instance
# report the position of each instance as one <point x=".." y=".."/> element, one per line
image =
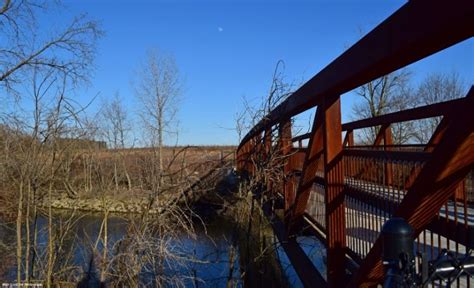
<point x="267" y="145"/>
<point x="334" y="194"/>
<point x="286" y="146"/>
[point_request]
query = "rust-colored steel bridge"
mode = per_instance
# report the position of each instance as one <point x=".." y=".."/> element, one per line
<point x="342" y="192"/>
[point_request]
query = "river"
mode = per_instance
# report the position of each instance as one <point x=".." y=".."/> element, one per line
<point x="207" y="262"/>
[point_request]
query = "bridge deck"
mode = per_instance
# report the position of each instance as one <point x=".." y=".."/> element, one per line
<point x="364" y="220"/>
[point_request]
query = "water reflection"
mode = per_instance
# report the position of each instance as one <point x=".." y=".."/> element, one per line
<point x="207" y="254"/>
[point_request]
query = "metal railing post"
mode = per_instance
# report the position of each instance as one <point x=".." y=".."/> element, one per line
<point x="334" y="194"/>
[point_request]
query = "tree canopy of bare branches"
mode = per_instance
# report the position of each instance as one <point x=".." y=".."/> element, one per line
<point x="396" y="92"/>
<point x="116" y="122"/>
<point x="27" y="44"/>
<point x="384" y="95"/>
<point x="158" y="89"/>
<point x="436" y="88"/>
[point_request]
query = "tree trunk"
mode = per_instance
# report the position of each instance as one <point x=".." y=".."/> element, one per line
<point x="116" y="177"/>
<point x="104" y="249"/>
<point x="27" y="224"/>
<point x="18" y="234"/>
<point x="35" y="234"/>
<point x="50" y="237"/>
<point x="160" y="147"/>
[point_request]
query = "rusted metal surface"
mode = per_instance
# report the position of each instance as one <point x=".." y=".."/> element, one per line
<point x="267" y="144"/>
<point x="350" y="190"/>
<point x="334" y="196"/>
<point x="286" y="145"/>
<point x="296" y="160"/>
<point x="388" y="167"/>
<point x="313" y="157"/>
<point x="348" y="139"/>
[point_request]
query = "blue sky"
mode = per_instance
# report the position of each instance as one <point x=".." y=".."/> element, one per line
<point x="227" y="50"/>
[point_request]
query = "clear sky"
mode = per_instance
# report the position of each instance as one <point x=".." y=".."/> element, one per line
<point x="227" y="50"/>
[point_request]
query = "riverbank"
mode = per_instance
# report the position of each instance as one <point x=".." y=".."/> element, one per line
<point x="111" y="205"/>
<point x="204" y="202"/>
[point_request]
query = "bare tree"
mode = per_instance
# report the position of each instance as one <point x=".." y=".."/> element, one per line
<point x="384" y="95"/>
<point x="158" y="89"/>
<point x="116" y="127"/>
<point x="26" y="45"/>
<point x="436" y="88"/>
<point x="116" y="122"/>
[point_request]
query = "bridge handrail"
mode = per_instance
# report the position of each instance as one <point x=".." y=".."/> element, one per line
<point x="417" y="113"/>
<point x="423" y="112"/>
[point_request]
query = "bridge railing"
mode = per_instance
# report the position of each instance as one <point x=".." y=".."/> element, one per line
<point x="347" y="190"/>
<point x="378" y="177"/>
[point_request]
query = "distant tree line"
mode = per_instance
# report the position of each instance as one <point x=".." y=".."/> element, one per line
<point x="395" y="92"/>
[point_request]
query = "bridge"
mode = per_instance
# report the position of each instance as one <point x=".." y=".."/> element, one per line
<point x="324" y="184"/>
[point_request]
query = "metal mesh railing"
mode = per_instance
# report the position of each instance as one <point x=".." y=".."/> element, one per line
<point x="375" y="184"/>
